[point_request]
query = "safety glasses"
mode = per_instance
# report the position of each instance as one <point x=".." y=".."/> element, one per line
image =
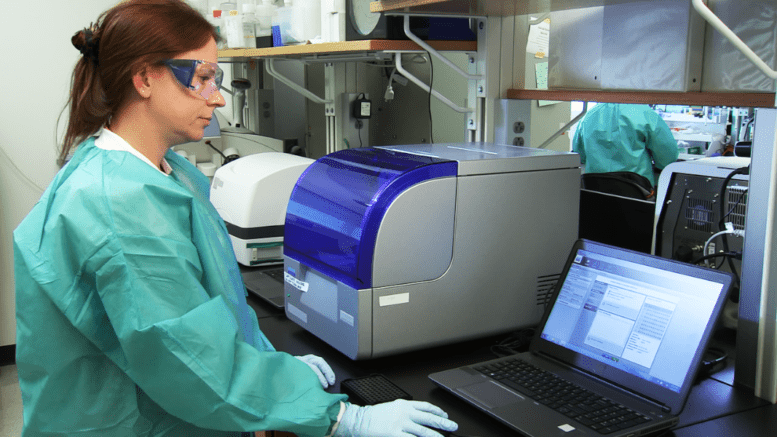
<point x="201" y="78"/>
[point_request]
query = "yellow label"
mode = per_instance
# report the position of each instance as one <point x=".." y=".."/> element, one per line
<point x="233" y="13"/>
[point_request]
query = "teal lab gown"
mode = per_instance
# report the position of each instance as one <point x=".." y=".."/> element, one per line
<point x="615" y="137"/>
<point x="132" y="318"/>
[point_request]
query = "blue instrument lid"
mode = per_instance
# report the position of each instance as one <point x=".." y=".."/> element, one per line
<point x="338" y="203"/>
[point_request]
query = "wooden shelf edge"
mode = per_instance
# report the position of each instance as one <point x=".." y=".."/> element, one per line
<point x="345" y="47"/>
<point x="732" y="99"/>
<point x="503" y="8"/>
<point x="393" y="5"/>
<point x="456" y="7"/>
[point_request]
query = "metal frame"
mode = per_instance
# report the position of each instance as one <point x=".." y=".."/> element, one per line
<point x="755" y="362"/>
<point x="425" y="87"/>
<point x="475" y="74"/>
<point x="757" y="358"/>
<point x="270" y="66"/>
<point x="334" y="81"/>
<point x="564" y="128"/>
<point x="721" y="27"/>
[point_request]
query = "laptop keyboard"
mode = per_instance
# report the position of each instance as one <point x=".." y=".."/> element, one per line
<point x="594" y="411"/>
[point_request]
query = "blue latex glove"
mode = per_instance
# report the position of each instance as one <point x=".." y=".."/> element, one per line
<point x="399" y="418"/>
<point x="325" y="374"/>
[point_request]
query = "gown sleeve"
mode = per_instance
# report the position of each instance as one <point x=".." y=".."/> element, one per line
<point x="661" y="142"/>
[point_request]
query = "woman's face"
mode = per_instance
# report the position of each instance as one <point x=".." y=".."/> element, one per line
<point x="183" y="114"/>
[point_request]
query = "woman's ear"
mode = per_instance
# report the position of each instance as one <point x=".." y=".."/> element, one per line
<point x="146" y="78"/>
<point x="142" y="83"/>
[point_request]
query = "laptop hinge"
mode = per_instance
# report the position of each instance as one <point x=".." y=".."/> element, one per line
<point x="664" y="408"/>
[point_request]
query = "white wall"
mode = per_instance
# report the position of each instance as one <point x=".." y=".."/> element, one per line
<point x="34" y="88"/>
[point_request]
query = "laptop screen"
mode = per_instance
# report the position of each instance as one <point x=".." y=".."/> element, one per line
<point x="643" y="315"/>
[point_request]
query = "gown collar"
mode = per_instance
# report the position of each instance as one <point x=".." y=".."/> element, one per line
<point x="109" y="140"/>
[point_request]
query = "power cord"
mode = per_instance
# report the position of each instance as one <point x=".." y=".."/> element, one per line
<point x="729" y="230"/>
<point x="389" y="94"/>
<point x="431" y="83"/>
<point x="720" y="357"/>
<point x="713" y="364"/>
<point x="514" y="343"/>
<point x="225" y="159"/>
<point x="359" y="125"/>
<point x="721" y="223"/>
<point x="736" y="204"/>
<point x="730" y="255"/>
<point x="217" y="150"/>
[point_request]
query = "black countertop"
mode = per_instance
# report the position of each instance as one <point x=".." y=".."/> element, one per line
<point x="715" y="406"/>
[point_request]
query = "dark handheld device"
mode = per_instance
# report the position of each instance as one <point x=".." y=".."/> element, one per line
<point x="372" y="389"/>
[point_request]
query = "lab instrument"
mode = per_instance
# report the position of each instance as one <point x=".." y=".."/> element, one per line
<point x="391" y="249"/>
<point x="251" y="195"/>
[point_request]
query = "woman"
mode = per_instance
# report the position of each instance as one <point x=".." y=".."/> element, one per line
<point x="131" y="311"/>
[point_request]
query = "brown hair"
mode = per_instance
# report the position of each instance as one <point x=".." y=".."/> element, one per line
<point x="125" y="39"/>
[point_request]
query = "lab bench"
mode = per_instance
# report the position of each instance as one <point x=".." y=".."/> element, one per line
<point x="715" y="407"/>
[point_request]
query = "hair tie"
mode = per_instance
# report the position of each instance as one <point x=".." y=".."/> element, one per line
<point x="90" y="49"/>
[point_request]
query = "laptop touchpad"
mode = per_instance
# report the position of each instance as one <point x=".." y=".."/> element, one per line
<point x="490" y="394"/>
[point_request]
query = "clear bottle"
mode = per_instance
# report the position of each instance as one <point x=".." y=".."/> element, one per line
<point x="228" y="6"/>
<point x="306" y="20"/>
<point x="233" y="24"/>
<point x="275" y="27"/>
<point x="282" y="22"/>
<point x="264" y="13"/>
<point x="250" y="24"/>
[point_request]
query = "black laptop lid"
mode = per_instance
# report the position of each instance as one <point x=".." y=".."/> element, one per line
<point x="637" y="320"/>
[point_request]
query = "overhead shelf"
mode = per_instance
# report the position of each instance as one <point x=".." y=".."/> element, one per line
<point x="733" y="99"/>
<point x="485" y="7"/>
<point x="437" y="6"/>
<point x="345" y="47"/>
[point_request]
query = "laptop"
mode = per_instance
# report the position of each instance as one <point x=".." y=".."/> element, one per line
<point x="616" y="351"/>
<point x="265" y="283"/>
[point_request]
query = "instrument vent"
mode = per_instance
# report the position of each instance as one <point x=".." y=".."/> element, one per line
<point x="699" y="215"/>
<point x="545" y="286"/>
<point x="736" y="206"/>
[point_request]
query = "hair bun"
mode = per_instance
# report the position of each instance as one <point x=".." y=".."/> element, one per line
<point x="86" y="43"/>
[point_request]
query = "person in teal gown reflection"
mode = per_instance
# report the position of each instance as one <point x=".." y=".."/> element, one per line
<point x="615" y="137"/>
